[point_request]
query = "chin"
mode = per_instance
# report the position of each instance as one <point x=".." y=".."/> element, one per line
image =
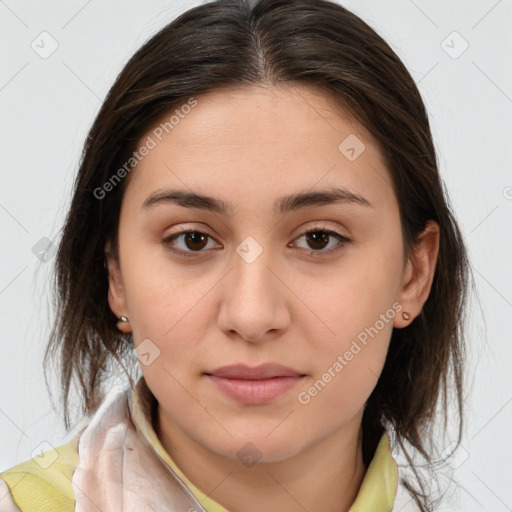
<point x="257" y="448"/>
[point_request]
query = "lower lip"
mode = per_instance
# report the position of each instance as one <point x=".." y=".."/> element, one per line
<point x="255" y="392"/>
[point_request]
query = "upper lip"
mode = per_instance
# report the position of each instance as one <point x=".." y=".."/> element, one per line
<point x="263" y="371"/>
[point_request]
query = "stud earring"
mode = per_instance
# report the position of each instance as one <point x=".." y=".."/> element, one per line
<point x="123" y="324"/>
<point x="405" y="315"/>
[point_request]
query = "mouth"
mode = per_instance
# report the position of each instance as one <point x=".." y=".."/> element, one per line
<point x="254" y="385"/>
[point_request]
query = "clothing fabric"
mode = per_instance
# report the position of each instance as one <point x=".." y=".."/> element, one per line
<point x="116" y="463"/>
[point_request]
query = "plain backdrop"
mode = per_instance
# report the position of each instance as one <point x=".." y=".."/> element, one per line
<point x="459" y="53"/>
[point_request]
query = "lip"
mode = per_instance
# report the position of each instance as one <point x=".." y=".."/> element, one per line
<point x="262" y="371"/>
<point x="254" y="385"/>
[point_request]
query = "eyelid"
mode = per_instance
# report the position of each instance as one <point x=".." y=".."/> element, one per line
<point x="319" y="227"/>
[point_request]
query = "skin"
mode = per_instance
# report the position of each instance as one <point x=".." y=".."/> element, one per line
<point x="249" y="147"/>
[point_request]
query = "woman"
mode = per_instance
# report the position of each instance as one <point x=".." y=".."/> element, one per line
<point x="259" y="213"/>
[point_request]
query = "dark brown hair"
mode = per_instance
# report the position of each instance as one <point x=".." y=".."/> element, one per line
<point x="234" y="44"/>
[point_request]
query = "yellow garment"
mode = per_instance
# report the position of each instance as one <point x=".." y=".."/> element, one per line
<point x="35" y="489"/>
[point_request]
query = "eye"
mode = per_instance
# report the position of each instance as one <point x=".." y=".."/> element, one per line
<point x="318" y="237"/>
<point x="194" y="242"/>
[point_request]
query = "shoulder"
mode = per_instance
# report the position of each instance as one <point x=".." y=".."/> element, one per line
<point x="43" y="483"/>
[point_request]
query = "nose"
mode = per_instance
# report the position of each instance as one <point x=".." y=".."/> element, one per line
<point x="254" y="297"/>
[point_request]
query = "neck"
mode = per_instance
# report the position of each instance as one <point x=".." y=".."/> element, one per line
<point x="325" y="477"/>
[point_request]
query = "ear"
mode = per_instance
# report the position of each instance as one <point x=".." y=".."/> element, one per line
<point x="419" y="274"/>
<point x="116" y="293"/>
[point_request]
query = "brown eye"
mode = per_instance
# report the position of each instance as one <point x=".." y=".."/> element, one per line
<point x="186" y="243"/>
<point x="195" y="240"/>
<point x="317" y="239"/>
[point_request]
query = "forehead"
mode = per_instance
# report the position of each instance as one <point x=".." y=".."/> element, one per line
<point x="257" y="140"/>
<point x="260" y="114"/>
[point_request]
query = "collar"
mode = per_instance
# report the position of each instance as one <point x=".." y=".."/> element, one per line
<point x="377" y="492"/>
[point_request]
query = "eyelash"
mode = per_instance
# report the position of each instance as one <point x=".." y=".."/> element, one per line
<point x="318" y="253"/>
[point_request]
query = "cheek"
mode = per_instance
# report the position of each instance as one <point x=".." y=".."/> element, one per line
<point x="347" y="369"/>
<point x="357" y="309"/>
<point x="158" y="292"/>
<point x="357" y="296"/>
<point x="170" y="308"/>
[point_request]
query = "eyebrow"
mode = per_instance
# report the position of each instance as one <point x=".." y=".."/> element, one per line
<point x="282" y="206"/>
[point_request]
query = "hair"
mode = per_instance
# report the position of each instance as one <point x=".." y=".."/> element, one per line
<point x="229" y="44"/>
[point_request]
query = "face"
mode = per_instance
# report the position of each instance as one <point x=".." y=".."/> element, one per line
<point x="251" y="277"/>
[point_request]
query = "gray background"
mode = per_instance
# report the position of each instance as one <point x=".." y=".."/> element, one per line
<point x="48" y="104"/>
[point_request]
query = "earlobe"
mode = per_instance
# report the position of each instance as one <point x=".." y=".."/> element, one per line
<point x="419" y="274"/>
